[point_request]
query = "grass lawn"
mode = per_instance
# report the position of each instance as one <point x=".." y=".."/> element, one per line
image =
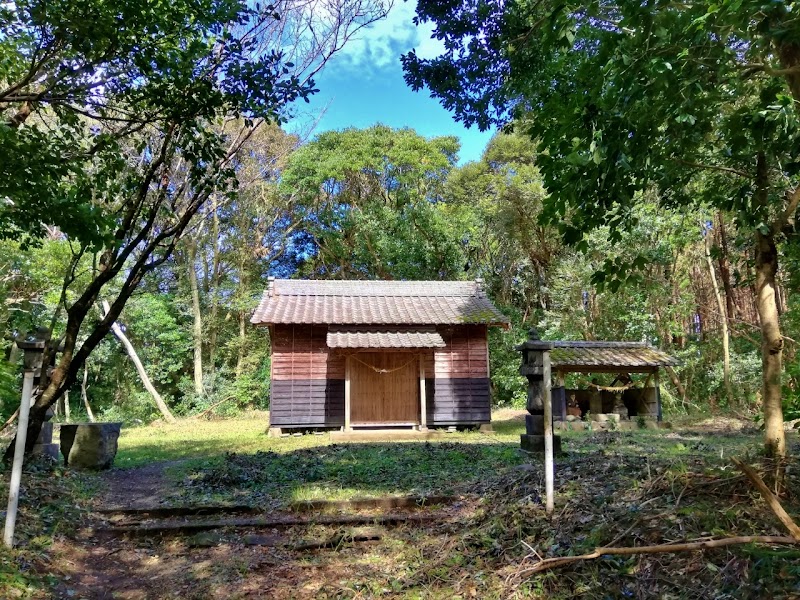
<point x="195" y="438"/>
<point x="234" y="460"/>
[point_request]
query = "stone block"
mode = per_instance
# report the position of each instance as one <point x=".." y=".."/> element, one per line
<point x="535" y="443"/>
<point x="534" y="424"/>
<point x="595" y="402"/>
<point x="50" y="450"/>
<point x="46" y="433"/>
<point x="89" y="445"/>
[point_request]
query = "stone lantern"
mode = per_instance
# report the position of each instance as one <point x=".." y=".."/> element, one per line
<point x="33" y="349"/>
<point x="536" y="368"/>
<point x="35" y="370"/>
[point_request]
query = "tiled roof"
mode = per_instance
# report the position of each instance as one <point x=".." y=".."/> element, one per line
<point x="289" y="301"/>
<point x="630" y="355"/>
<point x="340" y="337"/>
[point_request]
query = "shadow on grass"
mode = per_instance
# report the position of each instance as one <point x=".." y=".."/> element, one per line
<point x="511" y="426"/>
<point x="349" y="470"/>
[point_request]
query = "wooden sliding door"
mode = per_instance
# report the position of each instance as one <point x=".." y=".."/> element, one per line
<point x="384" y="388"/>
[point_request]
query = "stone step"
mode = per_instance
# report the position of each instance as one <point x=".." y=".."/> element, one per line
<point x="174" y="527"/>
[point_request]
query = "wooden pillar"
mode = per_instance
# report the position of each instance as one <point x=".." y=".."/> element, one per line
<point x="347" y="394"/>
<point x="423" y="401"/>
<point x="549" y="468"/>
<point x="658" y="394"/>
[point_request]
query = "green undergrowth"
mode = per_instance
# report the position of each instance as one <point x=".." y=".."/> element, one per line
<point x="53" y="502"/>
<point x="341" y="471"/>
<point x="626" y="488"/>
<point x="621" y="500"/>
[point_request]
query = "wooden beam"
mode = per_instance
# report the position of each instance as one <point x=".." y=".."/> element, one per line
<point x="347" y="426"/>
<point x="658" y="395"/>
<point x="423" y="401"/>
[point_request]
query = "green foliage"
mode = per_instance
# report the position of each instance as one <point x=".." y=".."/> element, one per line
<point x="509" y="388"/>
<point x="159" y="334"/>
<point x="621" y="96"/>
<point x="498" y="201"/>
<point x="371" y="202"/>
<point x="10" y="390"/>
<point x="146" y="58"/>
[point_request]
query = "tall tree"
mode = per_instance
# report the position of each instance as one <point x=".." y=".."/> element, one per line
<point x="626" y="97"/>
<point x="371" y="200"/>
<point x="501" y="196"/>
<point x="113" y="119"/>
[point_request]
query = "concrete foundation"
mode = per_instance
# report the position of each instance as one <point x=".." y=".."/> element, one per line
<point x="387" y="435"/>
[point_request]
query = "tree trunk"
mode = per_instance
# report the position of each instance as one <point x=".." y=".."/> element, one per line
<point x="84" y="395"/>
<point x="131" y="351"/>
<point x="726" y="355"/>
<point x="725" y="271"/>
<point x="65" y="400"/>
<point x="197" y="332"/>
<point x="766" y="266"/>
<point x="13" y="353"/>
<point x="216" y="263"/>
<point x="242" y="342"/>
<point x="673" y="376"/>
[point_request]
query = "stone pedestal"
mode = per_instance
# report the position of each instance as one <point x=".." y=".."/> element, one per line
<point x="535" y="443"/>
<point x="605" y="417"/>
<point x="89" y="445"/>
<point x="559" y="395"/>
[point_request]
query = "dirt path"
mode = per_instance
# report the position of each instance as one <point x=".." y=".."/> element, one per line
<point x="93" y="564"/>
<point x="142" y="487"/>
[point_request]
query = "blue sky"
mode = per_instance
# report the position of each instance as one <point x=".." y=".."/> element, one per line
<point x="363" y="85"/>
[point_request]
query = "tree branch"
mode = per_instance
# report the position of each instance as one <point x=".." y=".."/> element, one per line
<point x="553" y="563"/>
<point x="722" y="169"/>
<point x="788" y="214"/>
<point x="768" y="70"/>
<point x="773" y="502"/>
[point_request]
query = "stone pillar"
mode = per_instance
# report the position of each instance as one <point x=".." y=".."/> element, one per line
<point x="619" y="407"/>
<point x="536" y="368"/>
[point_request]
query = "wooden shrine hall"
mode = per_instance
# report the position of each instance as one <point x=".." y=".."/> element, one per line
<point x="378" y="354"/>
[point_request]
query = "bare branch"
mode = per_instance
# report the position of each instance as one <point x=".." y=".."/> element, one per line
<point x="720" y="168"/>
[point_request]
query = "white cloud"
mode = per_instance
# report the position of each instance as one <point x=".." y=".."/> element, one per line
<point x="381" y="44"/>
